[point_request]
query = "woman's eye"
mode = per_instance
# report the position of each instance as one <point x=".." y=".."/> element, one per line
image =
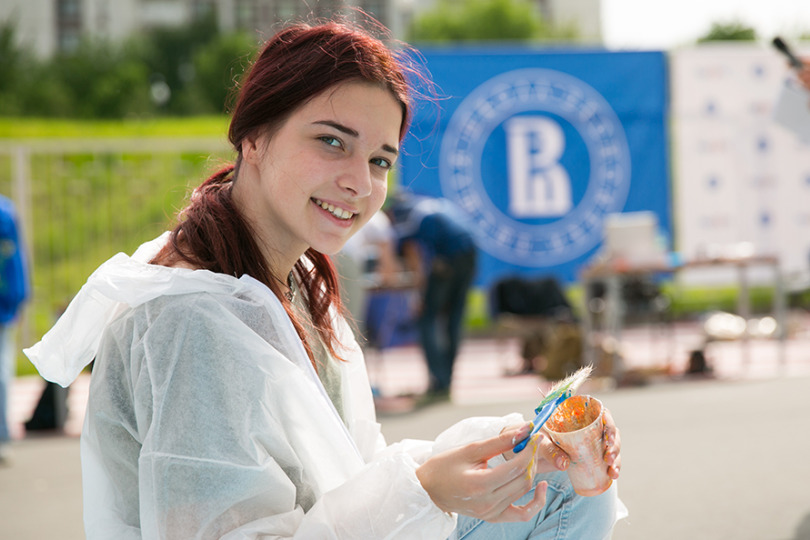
<point x="331" y="141"/>
<point x="380" y="162"/>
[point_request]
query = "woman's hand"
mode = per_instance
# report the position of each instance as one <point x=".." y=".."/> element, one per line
<point x="460" y="481"/>
<point x="551" y="457"/>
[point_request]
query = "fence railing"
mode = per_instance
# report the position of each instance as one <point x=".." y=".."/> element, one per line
<point x="80" y="201"/>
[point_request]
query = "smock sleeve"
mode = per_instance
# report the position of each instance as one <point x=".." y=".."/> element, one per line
<point x="199" y="427"/>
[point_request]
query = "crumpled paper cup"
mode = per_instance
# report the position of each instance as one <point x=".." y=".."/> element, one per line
<point x="576" y="427"/>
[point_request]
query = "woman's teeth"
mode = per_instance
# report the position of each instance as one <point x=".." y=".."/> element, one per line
<point x="335" y="211"/>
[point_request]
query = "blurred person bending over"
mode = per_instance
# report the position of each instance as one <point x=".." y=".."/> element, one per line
<point x="229" y="398"/>
<point x="439" y="249"/>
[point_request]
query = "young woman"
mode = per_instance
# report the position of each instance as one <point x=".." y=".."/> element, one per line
<point x="229" y="398"/>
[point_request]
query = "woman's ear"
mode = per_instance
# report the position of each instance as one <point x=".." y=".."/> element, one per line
<point x="250" y="149"/>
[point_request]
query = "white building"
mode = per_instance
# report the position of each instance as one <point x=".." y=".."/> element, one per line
<point x="584" y="15"/>
<point x="48" y="26"/>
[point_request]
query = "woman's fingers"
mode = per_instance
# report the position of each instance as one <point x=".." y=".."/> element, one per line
<point x="553" y="454"/>
<point x="613" y="445"/>
<point x="487" y="449"/>
<point x="524" y="512"/>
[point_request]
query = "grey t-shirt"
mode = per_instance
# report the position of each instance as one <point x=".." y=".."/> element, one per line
<point x="327" y="368"/>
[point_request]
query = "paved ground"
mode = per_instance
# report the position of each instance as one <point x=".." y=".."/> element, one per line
<point x="714" y="459"/>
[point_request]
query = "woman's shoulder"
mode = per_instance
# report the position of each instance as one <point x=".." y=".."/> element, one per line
<point x="197" y="307"/>
<point x="191" y="326"/>
<point x="228" y="314"/>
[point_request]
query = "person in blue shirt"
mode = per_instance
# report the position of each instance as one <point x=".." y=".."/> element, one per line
<point x="438" y="247"/>
<point x="14" y="290"/>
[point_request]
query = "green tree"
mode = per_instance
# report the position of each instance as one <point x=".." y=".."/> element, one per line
<point x="217" y="67"/>
<point x="729" y="31"/>
<point x="11" y="56"/>
<point x="167" y="71"/>
<point x="103" y="81"/>
<point x="484" y="20"/>
<point x="40" y="93"/>
<point x="97" y="80"/>
<point x="13" y="60"/>
<point x="168" y="53"/>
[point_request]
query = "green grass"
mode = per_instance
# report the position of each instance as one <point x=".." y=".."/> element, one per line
<point x="88" y="205"/>
<point x="687" y="303"/>
<point x="205" y="126"/>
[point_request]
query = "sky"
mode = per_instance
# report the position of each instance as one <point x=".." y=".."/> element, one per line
<point x="667" y="24"/>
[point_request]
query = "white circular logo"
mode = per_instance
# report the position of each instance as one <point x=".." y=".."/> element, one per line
<point x="537" y="158"/>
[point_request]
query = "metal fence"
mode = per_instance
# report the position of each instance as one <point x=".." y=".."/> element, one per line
<point x="80" y="201"/>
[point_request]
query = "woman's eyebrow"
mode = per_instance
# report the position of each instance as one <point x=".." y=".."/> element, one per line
<point x="353" y="133"/>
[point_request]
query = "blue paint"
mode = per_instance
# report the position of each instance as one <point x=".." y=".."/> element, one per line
<point x="544" y="412"/>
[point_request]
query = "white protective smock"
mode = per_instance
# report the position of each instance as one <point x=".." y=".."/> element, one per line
<point x="206" y="418"/>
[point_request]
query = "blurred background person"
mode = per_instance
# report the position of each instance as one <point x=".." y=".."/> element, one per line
<point x="14" y="290"/>
<point x="438" y="248"/>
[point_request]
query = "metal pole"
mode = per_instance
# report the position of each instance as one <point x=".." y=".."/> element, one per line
<point x="744" y="310"/>
<point x="21" y="195"/>
<point x="780" y="310"/>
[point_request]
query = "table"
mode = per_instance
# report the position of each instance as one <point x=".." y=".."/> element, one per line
<point x="613" y="273"/>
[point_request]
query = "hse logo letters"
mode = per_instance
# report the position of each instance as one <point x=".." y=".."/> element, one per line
<point x="538" y="184"/>
<point x="537" y="158"/>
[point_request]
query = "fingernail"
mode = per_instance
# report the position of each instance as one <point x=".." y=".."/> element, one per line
<point x="562" y="463"/>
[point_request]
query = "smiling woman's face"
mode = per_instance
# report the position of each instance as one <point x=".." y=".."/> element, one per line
<point x="322" y="175"/>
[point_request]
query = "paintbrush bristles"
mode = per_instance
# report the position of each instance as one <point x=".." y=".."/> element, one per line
<point x="569" y="384"/>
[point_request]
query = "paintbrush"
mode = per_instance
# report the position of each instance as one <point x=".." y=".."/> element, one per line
<point x="561" y="391"/>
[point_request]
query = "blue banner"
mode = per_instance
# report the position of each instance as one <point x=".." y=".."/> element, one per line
<point x="537" y="147"/>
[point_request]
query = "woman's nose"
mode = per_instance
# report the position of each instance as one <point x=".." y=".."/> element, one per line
<point x="356" y="178"/>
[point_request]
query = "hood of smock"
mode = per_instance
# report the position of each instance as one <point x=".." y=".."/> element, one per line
<point x="121" y="283"/>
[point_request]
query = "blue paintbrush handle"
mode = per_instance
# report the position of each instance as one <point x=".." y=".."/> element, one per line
<point x="543" y="414"/>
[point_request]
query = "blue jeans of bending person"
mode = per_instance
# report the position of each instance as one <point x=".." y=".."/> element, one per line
<point x="442" y="316"/>
<point x="565" y="516"/>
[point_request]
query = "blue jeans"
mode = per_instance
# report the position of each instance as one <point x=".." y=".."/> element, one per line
<point x="442" y="317"/>
<point x="566" y="516"/>
<point x="6" y="375"/>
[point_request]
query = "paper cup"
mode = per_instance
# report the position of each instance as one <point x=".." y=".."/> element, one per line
<point x="576" y="427"/>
